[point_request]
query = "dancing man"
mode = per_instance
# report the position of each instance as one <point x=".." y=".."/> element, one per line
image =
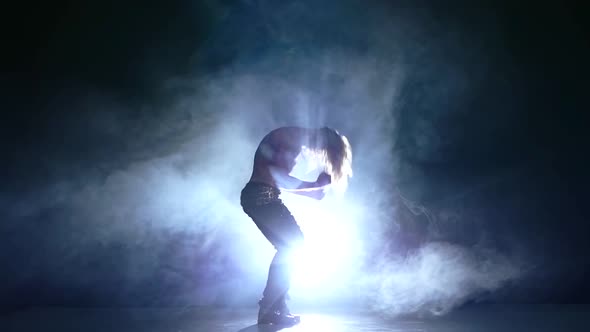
<point x="273" y="162"/>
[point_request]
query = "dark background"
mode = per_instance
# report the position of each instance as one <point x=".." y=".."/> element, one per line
<point x="511" y="141"/>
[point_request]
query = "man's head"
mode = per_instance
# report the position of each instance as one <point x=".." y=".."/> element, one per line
<point x="337" y="156"/>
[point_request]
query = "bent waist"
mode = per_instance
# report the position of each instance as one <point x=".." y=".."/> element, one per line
<point x="259" y="193"/>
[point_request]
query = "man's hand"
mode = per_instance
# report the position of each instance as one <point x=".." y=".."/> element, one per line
<point x="317" y="194"/>
<point x="324" y="179"/>
<point x="313" y="193"/>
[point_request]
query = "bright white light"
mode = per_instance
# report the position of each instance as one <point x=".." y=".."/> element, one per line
<point x="325" y="249"/>
<point x="331" y="247"/>
<point x="328" y="256"/>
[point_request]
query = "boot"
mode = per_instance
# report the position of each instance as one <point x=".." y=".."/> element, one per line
<point x="276" y="318"/>
<point x="281" y="305"/>
<point x="265" y="312"/>
<point x="270" y="314"/>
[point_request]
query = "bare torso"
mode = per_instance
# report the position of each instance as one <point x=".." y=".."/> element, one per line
<point x="275" y="158"/>
<point x="277" y="153"/>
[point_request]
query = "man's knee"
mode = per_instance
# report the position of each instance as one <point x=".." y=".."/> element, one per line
<point x="285" y="255"/>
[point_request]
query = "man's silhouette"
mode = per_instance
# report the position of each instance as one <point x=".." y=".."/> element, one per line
<point x="273" y="162"/>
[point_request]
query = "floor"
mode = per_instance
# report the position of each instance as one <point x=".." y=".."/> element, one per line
<point x="481" y="318"/>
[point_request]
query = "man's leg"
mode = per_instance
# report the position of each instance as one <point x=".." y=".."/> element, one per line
<point x="281" y="305"/>
<point x="280" y="228"/>
<point x="277" y="286"/>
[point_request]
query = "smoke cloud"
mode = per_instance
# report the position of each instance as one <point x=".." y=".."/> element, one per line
<point x="156" y="220"/>
<point x="438" y="278"/>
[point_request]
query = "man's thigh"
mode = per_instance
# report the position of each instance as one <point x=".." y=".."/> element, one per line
<point x="278" y="225"/>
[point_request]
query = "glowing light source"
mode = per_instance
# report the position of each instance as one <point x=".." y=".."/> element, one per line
<point x="330" y="249"/>
<point x="325" y="262"/>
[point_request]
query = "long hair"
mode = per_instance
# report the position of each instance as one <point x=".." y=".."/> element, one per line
<point x="335" y="154"/>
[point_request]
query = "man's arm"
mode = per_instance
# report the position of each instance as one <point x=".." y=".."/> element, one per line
<point x="296" y="186"/>
<point x="287" y="182"/>
<point x="315" y="193"/>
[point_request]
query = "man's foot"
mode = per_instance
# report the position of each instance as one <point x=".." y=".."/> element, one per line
<point x="276" y="318"/>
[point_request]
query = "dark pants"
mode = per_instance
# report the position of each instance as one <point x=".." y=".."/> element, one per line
<point x="275" y="221"/>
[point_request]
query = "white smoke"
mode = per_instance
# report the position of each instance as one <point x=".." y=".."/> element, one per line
<point x="439" y="277"/>
<point x="174" y="202"/>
